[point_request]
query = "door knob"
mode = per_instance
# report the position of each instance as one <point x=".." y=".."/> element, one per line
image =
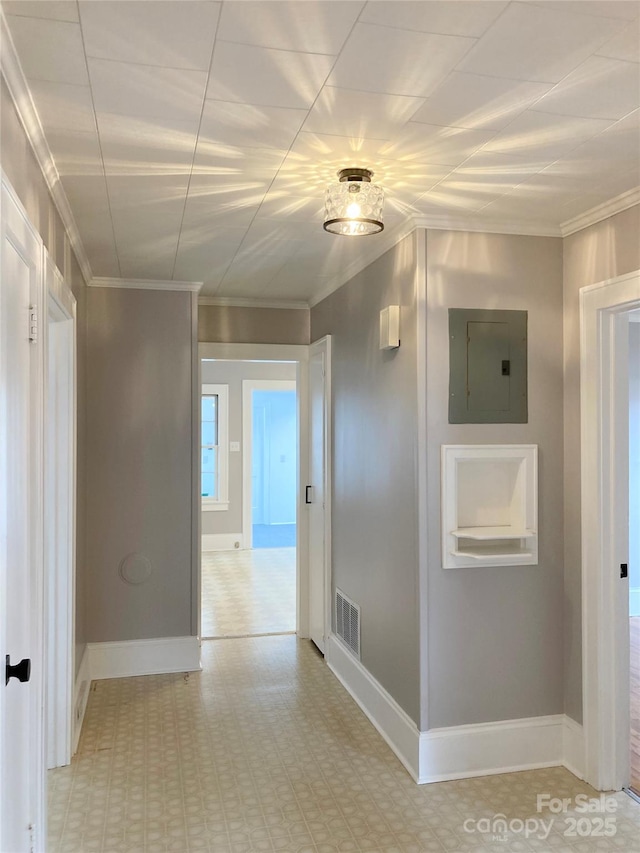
<point x="21" y="671"/>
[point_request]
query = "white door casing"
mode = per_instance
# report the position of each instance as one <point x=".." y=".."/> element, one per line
<point x="319" y="506"/>
<point x="604" y="416"/>
<point x="22" y="771"/>
<point x="59" y="514"/>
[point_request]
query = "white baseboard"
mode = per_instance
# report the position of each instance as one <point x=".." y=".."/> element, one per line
<point x="144" y="657"/>
<point x="458" y="752"/>
<point x="394" y="724"/>
<point x="222" y="541"/>
<point x="573" y="757"/>
<point x="634" y="601"/>
<point x="484" y="749"/>
<point x="80" y="698"/>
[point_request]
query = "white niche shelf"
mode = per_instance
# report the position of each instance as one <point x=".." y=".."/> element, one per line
<point x="489" y="505"/>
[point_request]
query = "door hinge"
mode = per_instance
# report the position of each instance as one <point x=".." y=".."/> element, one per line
<point x="33" y="324"/>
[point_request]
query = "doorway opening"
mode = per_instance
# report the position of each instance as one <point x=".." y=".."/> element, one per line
<point x="610" y="708"/>
<point x="250" y="497"/>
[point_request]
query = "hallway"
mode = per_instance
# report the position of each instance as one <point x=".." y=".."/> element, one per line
<point x="248" y="592"/>
<point x="265" y="751"/>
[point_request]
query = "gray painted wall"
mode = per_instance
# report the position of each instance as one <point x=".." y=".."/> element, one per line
<point x="374" y="518"/>
<point x="139" y="462"/>
<point x="23" y="171"/>
<point x="605" y="250"/>
<point x="234" y="325"/>
<point x="495" y="634"/>
<point x="232" y="373"/>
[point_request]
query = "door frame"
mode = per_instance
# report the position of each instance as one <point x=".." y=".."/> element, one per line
<point x="604" y="401"/>
<point x="60" y="515"/>
<point x="323" y="345"/>
<point x="298" y="353"/>
<point x="248" y="387"/>
<point x="15" y="220"/>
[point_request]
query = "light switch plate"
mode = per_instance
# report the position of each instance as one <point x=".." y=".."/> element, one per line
<point x="234" y="446"/>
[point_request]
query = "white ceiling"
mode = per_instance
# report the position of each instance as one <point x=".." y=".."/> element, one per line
<point x="194" y="139"/>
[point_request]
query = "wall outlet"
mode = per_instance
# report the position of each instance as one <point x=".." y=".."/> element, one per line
<point x="234" y="446"/>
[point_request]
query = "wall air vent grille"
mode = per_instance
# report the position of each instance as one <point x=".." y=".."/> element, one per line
<point x="348" y="622"/>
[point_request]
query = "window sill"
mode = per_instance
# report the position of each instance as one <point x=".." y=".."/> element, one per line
<point x="215" y="506"/>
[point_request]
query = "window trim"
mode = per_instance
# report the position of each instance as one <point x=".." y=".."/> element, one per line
<point x="220" y="503"/>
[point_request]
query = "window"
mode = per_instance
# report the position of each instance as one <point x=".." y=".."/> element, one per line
<point x="214" y="447"/>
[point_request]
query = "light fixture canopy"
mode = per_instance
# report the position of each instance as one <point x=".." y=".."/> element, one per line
<point x="353" y="207"/>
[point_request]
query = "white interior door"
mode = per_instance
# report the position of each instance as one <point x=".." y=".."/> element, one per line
<point x="319" y="493"/>
<point x="22" y="772"/>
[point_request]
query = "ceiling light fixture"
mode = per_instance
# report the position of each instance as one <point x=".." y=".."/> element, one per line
<point x="353" y="207"/>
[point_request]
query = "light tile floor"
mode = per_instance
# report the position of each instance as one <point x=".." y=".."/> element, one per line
<point x="248" y="592"/>
<point x="265" y="751"/>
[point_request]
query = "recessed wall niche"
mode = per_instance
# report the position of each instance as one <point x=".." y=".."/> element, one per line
<point x="489" y="505"/>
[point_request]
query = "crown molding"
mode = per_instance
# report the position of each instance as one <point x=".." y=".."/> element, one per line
<point x="601" y="211"/>
<point x="28" y="115"/>
<point x="240" y="302"/>
<point x="486" y="225"/>
<point x="147" y="284"/>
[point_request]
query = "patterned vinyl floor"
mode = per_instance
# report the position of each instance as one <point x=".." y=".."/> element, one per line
<point x="248" y="592"/>
<point x="265" y="751"/>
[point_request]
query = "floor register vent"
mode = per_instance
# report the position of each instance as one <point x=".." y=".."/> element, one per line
<point x="348" y="622"/>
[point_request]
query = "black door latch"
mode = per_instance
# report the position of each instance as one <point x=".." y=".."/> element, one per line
<point x="624" y="570"/>
<point x="21" y="671"/>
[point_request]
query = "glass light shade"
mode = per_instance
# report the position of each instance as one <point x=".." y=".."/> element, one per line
<point x="353" y="207"/>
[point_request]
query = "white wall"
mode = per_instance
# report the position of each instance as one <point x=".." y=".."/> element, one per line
<point x="232" y="373"/>
<point x="634" y="469"/>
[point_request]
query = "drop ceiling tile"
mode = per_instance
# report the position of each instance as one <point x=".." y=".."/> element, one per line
<point x="62" y="105"/>
<point x="146" y="92"/>
<point x="75" y="152"/>
<point x="625" y="45"/>
<point x="538" y="198"/>
<point x="599" y="88"/>
<point x="382" y="59"/>
<point x="172" y="35"/>
<point x="463" y="18"/>
<point x="263" y="76"/>
<point x="542" y="135"/>
<point x="55" y="10"/>
<point x="481" y="179"/>
<point x="537" y="44"/>
<point x="214" y="205"/>
<point x="478" y="102"/>
<point x="360" y="115"/>
<point x="312" y="26"/>
<point x="148" y="196"/>
<point x="87" y="195"/>
<point x="157" y="266"/>
<point x="614" y="151"/>
<point x="247" y="126"/>
<point x="49" y="50"/>
<point x="278" y="204"/>
<point x="445" y="146"/>
<point x="207" y="259"/>
<point x="233" y="165"/>
<point x="627" y="10"/>
<point x="138" y="146"/>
